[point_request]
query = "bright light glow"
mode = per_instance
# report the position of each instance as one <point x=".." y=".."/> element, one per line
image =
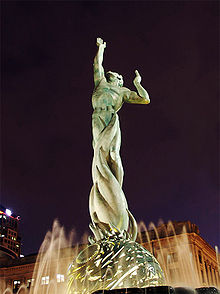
<point x="8" y="212"/>
<point x="16" y="284"/>
<point x="30" y="282"/>
<point x="60" y="278"/>
<point x="1" y="212"/>
<point x="45" y="280"/>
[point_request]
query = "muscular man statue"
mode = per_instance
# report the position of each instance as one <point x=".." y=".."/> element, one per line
<point x="108" y="205"/>
<point x="112" y="260"/>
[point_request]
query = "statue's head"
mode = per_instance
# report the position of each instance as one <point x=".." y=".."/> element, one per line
<point x="114" y="78"/>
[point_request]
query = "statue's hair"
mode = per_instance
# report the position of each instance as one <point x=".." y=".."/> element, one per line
<point x="110" y="73"/>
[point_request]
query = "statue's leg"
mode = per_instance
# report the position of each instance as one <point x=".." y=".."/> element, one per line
<point x="107" y="201"/>
<point x="100" y="120"/>
<point x="114" y="157"/>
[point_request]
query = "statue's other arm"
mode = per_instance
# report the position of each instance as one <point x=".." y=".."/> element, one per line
<point x="98" y="68"/>
<point x="141" y="97"/>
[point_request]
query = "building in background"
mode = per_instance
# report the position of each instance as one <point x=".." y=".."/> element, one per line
<point x="10" y="242"/>
<point x="183" y="254"/>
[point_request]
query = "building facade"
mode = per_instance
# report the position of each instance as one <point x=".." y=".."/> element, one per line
<point x="184" y="255"/>
<point x="10" y="241"/>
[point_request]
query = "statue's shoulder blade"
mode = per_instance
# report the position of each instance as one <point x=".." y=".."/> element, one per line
<point x="100" y="83"/>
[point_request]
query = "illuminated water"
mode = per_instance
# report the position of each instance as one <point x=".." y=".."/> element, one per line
<point x="175" y="256"/>
<point x="57" y="252"/>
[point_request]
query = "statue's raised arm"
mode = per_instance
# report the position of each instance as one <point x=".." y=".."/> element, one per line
<point x="141" y="97"/>
<point x="98" y="68"/>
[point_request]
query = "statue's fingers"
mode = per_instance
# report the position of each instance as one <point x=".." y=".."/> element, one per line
<point x="137" y="73"/>
<point x="99" y="40"/>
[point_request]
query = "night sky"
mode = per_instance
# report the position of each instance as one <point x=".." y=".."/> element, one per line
<point x="169" y="147"/>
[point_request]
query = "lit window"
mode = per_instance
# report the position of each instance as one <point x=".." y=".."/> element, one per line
<point x="172" y="257"/>
<point x="45" y="280"/>
<point x="30" y="283"/>
<point x="16" y="284"/>
<point x="60" y="278"/>
<point x="8" y="212"/>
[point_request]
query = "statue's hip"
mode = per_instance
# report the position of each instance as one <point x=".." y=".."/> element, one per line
<point x="102" y="116"/>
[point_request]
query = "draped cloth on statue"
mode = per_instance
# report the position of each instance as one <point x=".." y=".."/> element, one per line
<point x="108" y="205"/>
<point x="112" y="260"/>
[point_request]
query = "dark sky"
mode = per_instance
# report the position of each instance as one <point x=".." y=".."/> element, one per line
<point x="169" y="147"/>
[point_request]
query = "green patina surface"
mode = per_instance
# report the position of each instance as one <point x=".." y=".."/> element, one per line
<point x="113" y="260"/>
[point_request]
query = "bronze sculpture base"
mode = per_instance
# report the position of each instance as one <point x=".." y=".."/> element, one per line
<point x="114" y="263"/>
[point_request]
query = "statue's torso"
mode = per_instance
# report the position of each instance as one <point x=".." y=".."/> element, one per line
<point x="106" y="95"/>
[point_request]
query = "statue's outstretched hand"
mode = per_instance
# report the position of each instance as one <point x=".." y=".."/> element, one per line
<point x="100" y="42"/>
<point x="137" y="79"/>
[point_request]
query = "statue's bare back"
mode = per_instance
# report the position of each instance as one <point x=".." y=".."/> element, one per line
<point x="106" y="94"/>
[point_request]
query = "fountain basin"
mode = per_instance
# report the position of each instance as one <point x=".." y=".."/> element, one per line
<point x="161" y="290"/>
<point x="183" y="290"/>
<point x="207" y="290"/>
<point x="148" y="290"/>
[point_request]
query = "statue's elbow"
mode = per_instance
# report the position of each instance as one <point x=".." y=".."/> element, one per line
<point x="147" y="100"/>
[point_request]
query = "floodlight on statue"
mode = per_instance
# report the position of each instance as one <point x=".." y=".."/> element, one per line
<point x="113" y="260"/>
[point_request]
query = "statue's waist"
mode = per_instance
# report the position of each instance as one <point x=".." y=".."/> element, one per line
<point x="104" y="108"/>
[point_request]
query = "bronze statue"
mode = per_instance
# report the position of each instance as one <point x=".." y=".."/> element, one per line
<point x="108" y="205"/>
<point x="112" y="260"/>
